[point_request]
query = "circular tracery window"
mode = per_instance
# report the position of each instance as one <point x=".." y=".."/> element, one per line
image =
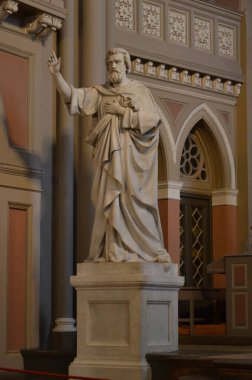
<point x="192" y="163"/>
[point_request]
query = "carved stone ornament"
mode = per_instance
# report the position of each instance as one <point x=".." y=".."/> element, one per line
<point x="180" y="75"/>
<point x="218" y="85"/>
<point x="228" y="87"/>
<point x="149" y="69"/>
<point x="161" y="71"/>
<point x="202" y="33"/>
<point x="125" y="13"/>
<point x="207" y="82"/>
<point x="196" y="79"/>
<point x="185" y="77"/>
<point x="173" y="73"/>
<point x="225" y="41"/>
<point x="43" y="25"/>
<point x="177" y="25"/>
<point x="137" y="65"/>
<point x="151" y="19"/>
<point x="7" y="7"/>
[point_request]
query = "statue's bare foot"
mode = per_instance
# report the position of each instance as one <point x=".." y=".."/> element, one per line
<point x="163" y="257"/>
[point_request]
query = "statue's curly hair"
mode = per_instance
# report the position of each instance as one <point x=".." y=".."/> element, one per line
<point x="125" y="54"/>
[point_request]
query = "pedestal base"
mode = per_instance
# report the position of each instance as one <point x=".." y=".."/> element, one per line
<point x="124" y="311"/>
<point x="113" y="370"/>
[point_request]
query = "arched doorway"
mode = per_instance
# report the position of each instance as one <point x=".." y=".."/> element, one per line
<point x="206" y="169"/>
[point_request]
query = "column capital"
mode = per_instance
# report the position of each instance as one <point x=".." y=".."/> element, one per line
<point x="169" y="190"/>
<point x="224" y="197"/>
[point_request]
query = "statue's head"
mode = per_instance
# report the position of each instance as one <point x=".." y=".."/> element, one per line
<point x="125" y="55"/>
<point x="118" y="64"/>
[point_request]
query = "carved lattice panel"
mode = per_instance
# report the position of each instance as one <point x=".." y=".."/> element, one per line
<point x="197" y="246"/>
<point x="195" y="242"/>
<point x="182" y="263"/>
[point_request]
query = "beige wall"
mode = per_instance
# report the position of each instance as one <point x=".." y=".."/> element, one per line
<point x="26" y="143"/>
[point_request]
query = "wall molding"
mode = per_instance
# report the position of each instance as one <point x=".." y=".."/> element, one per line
<point x="169" y="190"/>
<point x="224" y="197"/>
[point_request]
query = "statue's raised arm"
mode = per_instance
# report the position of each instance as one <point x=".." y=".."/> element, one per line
<point x="62" y="86"/>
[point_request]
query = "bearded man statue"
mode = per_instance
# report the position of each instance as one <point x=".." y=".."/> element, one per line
<point x="125" y="147"/>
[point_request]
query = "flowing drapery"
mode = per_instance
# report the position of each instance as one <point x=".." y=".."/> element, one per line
<point x="126" y="224"/>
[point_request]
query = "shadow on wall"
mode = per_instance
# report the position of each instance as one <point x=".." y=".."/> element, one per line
<point x="13" y="156"/>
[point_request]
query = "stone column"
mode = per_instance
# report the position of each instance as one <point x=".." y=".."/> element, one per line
<point x="92" y="51"/>
<point x="64" y="322"/>
<point x="110" y="26"/>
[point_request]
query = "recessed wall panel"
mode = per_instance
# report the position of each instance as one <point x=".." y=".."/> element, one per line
<point x="16" y="279"/>
<point x="14" y="82"/>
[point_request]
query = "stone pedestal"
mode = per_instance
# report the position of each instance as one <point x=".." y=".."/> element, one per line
<point x="124" y="311"/>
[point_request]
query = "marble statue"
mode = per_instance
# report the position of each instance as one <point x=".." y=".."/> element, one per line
<point x="125" y="146"/>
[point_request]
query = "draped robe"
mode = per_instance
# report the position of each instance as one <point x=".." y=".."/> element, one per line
<point x="126" y="223"/>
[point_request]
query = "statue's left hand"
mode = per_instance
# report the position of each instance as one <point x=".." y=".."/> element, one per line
<point x="114" y="108"/>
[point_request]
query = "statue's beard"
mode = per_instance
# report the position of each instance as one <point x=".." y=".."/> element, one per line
<point x="115" y="77"/>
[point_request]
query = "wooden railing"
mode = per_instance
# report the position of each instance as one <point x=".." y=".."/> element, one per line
<point x="192" y="314"/>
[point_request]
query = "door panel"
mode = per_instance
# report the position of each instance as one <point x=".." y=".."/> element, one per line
<point x="195" y="242"/>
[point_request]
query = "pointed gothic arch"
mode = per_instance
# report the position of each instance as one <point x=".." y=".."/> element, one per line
<point x="217" y="146"/>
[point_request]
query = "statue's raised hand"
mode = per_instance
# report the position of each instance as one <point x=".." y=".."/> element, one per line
<point x="54" y="63"/>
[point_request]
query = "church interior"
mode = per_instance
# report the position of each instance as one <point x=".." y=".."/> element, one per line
<point x="195" y="58"/>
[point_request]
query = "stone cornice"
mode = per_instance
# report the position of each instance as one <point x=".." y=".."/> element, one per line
<point x="44" y="6"/>
<point x="205" y="6"/>
<point x="179" y="75"/>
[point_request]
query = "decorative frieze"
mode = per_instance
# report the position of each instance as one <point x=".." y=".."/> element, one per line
<point x="43" y="25"/>
<point x="7" y="8"/>
<point x="225" y="40"/>
<point x="202" y="33"/>
<point x="177" y="26"/>
<point x="124" y="14"/>
<point x="176" y="74"/>
<point x="151" y="19"/>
